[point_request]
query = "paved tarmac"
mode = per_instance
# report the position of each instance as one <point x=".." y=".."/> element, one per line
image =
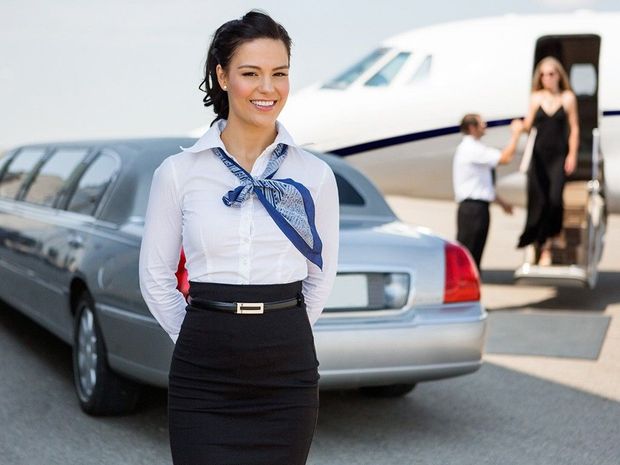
<point x="499" y="293"/>
<point x="516" y="410"/>
<point x="496" y="416"/>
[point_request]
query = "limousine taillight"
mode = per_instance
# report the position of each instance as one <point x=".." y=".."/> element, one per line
<point x="182" y="278"/>
<point x="462" y="283"/>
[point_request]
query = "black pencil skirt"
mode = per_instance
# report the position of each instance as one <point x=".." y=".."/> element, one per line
<point x="243" y="389"/>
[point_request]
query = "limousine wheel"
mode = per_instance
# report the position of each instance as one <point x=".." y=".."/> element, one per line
<point x="393" y="390"/>
<point x="100" y="391"/>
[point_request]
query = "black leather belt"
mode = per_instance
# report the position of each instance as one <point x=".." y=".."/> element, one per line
<point x="255" y="308"/>
<point x="485" y="202"/>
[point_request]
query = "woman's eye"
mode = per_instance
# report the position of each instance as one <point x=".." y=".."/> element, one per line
<point x="281" y="74"/>
<point x="249" y="73"/>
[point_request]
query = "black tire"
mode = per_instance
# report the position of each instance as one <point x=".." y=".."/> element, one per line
<point x="392" y="390"/>
<point x="100" y="391"/>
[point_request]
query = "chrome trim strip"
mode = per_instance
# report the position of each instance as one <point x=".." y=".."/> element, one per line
<point x="126" y="315"/>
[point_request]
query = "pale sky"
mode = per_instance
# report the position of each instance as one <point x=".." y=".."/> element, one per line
<point x="74" y="69"/>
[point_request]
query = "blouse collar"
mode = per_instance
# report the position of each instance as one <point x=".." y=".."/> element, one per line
<point x="212" y="139"/>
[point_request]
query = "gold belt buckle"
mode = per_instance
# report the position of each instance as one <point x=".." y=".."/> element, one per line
<point x="250" y="308"/>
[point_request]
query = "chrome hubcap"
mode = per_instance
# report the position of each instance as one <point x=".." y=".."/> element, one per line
<point x="87" y="352"/>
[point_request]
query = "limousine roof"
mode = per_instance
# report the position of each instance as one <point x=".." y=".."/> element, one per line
<point x="140" y="157"/>
<point x="131" y="146"/>
<point x="121" y="145"/>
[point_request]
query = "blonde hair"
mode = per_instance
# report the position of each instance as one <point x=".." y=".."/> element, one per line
<point x="537" y="78"/>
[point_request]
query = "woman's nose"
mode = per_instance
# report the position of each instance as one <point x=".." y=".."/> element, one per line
<point x="266" y="85"/>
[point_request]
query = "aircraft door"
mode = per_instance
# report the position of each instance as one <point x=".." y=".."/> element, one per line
<point x="577" y="254"/>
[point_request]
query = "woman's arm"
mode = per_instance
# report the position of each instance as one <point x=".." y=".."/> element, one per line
<point x="531" y="112"/>
<point x="318" y="284"/>
<point x="570" y="104"/>
<point x="160" y="251"/>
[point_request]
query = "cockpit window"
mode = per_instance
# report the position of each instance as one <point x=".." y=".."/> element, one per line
<point x="349" y="76"/>
<point x="385" y="75"/>
<point x="423" y="71"/>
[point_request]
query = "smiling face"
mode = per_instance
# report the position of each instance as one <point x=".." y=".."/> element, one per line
<point x="256" y="80"/>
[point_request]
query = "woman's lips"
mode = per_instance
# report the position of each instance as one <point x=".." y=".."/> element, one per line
<point x="264" y="105"/>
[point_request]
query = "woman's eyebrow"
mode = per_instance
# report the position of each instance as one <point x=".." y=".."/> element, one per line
<point x="258" y="67"/>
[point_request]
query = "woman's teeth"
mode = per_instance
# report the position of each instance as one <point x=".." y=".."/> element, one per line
<point x="264" y="103"/>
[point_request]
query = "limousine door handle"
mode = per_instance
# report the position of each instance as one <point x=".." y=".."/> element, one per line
<point x="76" y="241"/>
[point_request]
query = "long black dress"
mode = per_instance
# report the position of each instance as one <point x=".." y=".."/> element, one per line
<point x="545" y="178"/>
<point x="243" y="388"/>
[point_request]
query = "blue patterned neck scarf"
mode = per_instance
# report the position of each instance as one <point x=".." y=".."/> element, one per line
<point x="289" y="203"/>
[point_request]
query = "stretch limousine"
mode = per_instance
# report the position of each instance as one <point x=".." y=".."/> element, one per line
<point x="405" y="307"/>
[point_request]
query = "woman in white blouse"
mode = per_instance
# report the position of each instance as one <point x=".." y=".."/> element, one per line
<point x="257" y="218"/>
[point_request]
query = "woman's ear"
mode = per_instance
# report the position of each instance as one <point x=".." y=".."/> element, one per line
<point x="221" y="76"/>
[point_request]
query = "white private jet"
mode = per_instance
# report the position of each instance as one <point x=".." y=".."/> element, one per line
<point x="395" y="115"/>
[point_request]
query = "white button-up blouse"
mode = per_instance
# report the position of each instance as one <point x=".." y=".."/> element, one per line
<point x="230" y="245"/>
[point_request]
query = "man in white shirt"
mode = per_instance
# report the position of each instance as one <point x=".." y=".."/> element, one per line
<point x="474" y="188"/>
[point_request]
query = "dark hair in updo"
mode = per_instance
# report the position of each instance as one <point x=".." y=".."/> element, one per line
<point x="228" y="37"/>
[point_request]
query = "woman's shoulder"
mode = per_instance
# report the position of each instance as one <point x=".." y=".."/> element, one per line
<point x="173" y="168"/>
<point x="537" y="96"/>
<point x="310" y="169"/>
<point x="176" y="160"/>
<point x="309" y="160"/>
<point x="568" y="96"/>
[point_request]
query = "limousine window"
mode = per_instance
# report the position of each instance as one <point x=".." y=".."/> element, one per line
<point x="18" y="170"/>
<point x="53" y="174"/>
<point x="347" y="194"/>
<point x="93" y="184"/>
<point x="4" y="160"/>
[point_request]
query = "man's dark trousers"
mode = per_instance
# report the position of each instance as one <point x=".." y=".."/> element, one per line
<point x="472" y="226"/>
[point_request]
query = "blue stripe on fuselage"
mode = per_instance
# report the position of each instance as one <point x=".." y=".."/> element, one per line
<point x="397" y="140"/>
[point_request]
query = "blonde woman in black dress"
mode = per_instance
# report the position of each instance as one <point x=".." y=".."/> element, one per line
<point x="553" y="112"/>
<point x="257" y="217"/>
